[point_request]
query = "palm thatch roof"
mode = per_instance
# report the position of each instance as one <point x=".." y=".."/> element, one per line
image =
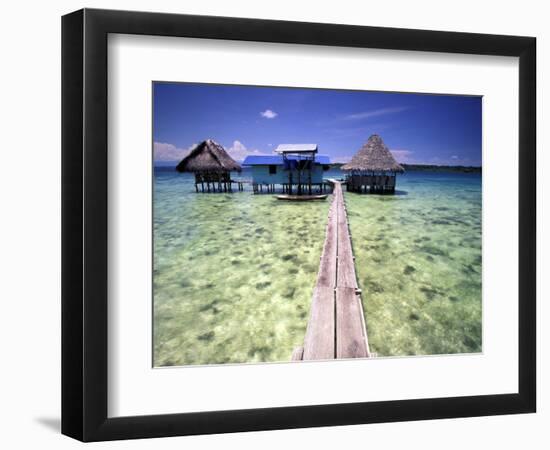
<point x="374" y="156"/>
<point x="208" y="156"/>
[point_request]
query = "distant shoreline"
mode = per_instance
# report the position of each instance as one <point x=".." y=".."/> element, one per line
<point x="434" y="168"/>
<point x="407" y="167"/>
<point x="429" y="168"/>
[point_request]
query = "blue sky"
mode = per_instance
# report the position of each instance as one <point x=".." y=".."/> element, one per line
<point x="427" y="129"/>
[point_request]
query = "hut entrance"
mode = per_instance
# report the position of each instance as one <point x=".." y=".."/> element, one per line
<point x="221" y="181"/>
<point x="371" y="182"/>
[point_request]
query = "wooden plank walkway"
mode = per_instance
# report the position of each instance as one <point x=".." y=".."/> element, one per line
<point x="336" y="326"/>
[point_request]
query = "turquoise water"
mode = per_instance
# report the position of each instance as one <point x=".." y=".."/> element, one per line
<point x="234" y="273"/>
<point x="418" y="261"/>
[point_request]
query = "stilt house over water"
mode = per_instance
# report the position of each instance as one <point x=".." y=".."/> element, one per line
<point x="372" y="169"/>
<point x="212" y="167"/>
<point x="296" y="167"/>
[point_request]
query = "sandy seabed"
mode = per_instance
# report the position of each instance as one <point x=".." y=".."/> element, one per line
<point x="234" y="273"/>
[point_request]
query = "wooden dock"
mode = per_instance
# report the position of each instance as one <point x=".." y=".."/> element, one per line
<point x="336" y="327"/>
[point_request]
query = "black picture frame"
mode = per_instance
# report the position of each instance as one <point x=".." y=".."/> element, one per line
<point x="84" y="224"/>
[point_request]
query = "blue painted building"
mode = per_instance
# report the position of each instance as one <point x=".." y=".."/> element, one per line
<point x="297" y="166"/>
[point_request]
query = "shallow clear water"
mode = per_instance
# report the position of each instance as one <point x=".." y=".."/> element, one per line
<point x="418" y="261"/>
<point x="234" y="273"/>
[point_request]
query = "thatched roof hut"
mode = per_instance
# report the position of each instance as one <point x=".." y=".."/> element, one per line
<point x="208" y="157"/>
<point x="374" y="156"/>
<point x="211" y="165"/>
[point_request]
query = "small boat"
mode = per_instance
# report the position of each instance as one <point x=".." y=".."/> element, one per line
<point x="301" y="198"/>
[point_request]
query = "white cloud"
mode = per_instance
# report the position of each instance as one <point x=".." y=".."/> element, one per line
<point x="340" y="159"/>
<point x="163" y="151"/>
<point x="403" y="156"/>
<point x="375" y="113"/>
<point x="456" y="160"/>
<point x="268" y="114"/>
<point x="239" y="152"/>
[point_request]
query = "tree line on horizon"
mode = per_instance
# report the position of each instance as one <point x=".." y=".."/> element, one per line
<point x="430" y="168"/>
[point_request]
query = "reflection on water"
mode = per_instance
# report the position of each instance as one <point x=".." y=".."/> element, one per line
<point x="234" y="273"/>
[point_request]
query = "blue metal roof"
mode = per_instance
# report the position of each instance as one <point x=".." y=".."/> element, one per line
<point x="264" y="160"/>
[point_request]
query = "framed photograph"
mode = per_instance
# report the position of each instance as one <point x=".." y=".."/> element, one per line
<point x="273" y="224"/>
